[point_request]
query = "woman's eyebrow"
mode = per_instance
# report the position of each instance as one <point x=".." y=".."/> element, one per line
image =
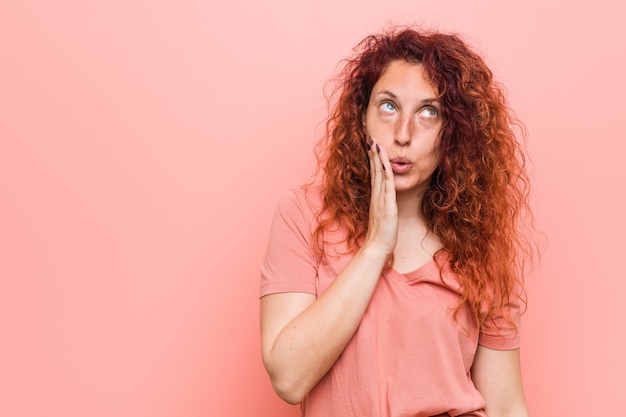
<point x="429" y="100"/>
<point x="387" y="93"/>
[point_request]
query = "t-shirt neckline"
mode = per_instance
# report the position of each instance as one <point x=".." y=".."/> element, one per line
<point x="421" y="272"/>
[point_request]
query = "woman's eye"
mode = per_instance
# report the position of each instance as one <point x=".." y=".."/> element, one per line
<point x="388" y="107"/>
<point x="429" y="112"/>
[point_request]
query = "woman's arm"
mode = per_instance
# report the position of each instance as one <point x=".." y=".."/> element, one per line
<point x="497" y="376"/>
<point x="301" y="336"/>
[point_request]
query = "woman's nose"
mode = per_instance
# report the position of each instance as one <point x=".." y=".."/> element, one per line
<point x="404" y="131"/>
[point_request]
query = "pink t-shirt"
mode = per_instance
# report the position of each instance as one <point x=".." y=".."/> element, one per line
<point x="409" y="356"/>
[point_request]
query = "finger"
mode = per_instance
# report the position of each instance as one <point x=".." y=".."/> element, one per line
<point x="375" y="156"/>
<point x="387" y="172"/>
<point x="376" y="170"/>
<point x="373" y="176"/>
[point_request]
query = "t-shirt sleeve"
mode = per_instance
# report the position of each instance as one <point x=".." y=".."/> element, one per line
<point x="504" y="332"/>
<point x="290" y="263"/>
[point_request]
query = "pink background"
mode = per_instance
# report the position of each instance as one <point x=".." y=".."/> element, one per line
<point x="144" y="144"/>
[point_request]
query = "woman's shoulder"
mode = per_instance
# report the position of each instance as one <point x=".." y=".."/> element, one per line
<point x="306" y="199"/>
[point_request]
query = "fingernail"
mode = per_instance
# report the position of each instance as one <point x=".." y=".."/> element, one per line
<point x="369" y="145"/>
<point x="384" y="169"/>
<point x="369" y="141"/>
<point x="377" y="148"/>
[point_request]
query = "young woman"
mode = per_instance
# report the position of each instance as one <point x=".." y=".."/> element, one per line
<point x="394" y="286"/>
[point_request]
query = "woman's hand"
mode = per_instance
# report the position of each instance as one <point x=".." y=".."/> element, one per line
<point x="382" y="232"/>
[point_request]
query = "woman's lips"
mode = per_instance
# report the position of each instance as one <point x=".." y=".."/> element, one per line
<point x="400" y="165"/>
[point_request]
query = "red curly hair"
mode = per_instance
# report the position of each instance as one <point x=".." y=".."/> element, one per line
<point x="478" y="196"/>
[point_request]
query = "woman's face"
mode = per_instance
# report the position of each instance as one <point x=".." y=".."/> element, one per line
<point x="404" y="117"/>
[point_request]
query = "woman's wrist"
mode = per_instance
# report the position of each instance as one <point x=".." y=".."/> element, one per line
<point x="375" y="254"/>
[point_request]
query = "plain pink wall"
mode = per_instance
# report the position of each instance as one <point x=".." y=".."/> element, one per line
<point x="143" y="146"/>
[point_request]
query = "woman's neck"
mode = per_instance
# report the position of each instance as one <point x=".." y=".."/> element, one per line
<point x="410" y="206"/>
